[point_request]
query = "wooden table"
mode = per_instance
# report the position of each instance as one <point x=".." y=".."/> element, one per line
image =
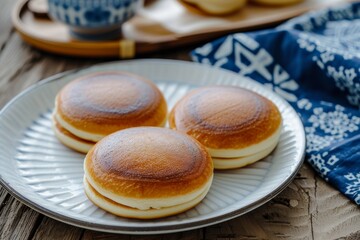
<point x="308" y="209"/>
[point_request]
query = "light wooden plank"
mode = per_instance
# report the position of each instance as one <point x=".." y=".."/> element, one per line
<point x="187" y="235"/>
<point x="4" y="195"/>
<point x="52" y="229"/>
<point x="94" y="235"/>
<point x="15" y="58"/>
<point x="17" y="221"/>
<point x="27" y="66"/>
<point x="336" y="216"/>
<point x="6" y="27"/>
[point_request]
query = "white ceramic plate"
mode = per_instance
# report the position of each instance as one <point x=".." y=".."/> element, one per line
<point x="47" y="176"/>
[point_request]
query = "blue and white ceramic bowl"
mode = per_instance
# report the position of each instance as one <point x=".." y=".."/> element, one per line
<point x="93" y="19"/>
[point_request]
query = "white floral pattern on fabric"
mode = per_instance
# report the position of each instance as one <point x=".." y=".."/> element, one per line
<point x="282" y="84"/>
<point x="249" y="58"/>
<point x="332" y="160"/>
<point x="344" y="80"/>
<point x="319" y="163"/>
<point x="323" y="163"/>
<point x="326" y="127"/>
<point x="336" y="123"/>
<point x="338" y="39"/>
<point x="353" y="187"/>
<point x="315" y="142"/>
<point x="304" y="104"/>
<point x="249" y="61"/>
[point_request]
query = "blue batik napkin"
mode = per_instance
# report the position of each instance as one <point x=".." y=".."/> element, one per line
<point x="313" y="62"/>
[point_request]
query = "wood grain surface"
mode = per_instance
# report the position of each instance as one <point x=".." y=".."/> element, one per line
<point x="308" y="209"/>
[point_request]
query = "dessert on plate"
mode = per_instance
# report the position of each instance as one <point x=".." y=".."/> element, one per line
<point x="147" y="172"/>
<point x="96" y="105"/>
<point x="237" y="126"/>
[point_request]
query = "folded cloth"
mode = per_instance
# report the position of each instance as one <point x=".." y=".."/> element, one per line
<point x="313" y="62"/>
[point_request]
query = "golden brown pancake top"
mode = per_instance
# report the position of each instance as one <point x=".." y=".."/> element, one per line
<point x="149" y="162"/>
<point x="225" y="117"/>
<point x="108" y="101"/>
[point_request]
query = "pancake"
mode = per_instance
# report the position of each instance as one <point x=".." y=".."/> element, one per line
<point x="98" y="104"/>
<point x="276" y="2"/>
<point x="146" y="168"/>
<point x="70" y="140"/>
<point x="216" y="7"/>
<point x="229" y="121"/>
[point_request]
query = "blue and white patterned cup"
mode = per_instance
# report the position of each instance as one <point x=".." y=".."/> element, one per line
<point x="93" y="19"/>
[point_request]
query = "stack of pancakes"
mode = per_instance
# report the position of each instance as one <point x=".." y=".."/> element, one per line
<point x="93" y="106"/>
<point x="147" y="172"/>
<point x="237" y="126"/>
<point x="133" y="167"/>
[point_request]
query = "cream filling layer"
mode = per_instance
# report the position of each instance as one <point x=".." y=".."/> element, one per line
<point x="144" y="204"/>
<point x="71" y="142"/>
<point x="253" y="149"/>
<point x="230" y="163"/>
<point x="125" y="211"/>
<point x="83" y="134"/>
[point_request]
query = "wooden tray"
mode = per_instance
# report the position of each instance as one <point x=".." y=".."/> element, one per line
<point x="160" y="24"/>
